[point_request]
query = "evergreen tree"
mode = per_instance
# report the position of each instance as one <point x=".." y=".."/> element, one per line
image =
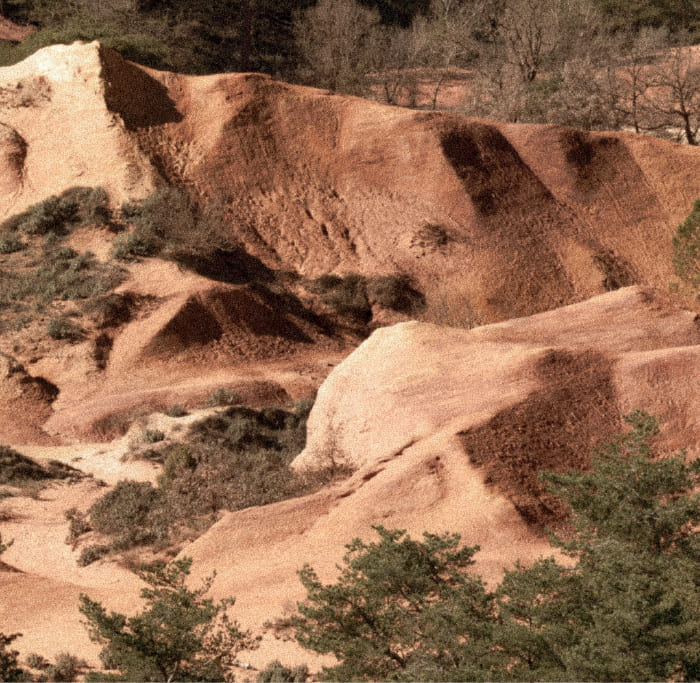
<point x="179" y="636"/>
<point x="627" y="606"/>
<point x="401" y="609"/>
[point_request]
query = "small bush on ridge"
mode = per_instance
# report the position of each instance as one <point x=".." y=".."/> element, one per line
<point x="223" y="397"/>
<point x="63" y="329"/>
<point x="176" y="411"/>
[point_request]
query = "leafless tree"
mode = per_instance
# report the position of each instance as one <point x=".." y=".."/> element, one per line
<point x="531" y="32"/>
<point x="334" y="40"/>
<point x="673" y="94"/>
<point x="446" y="37"/>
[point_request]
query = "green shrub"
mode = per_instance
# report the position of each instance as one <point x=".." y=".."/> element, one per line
<point x="153" y="435"/>
<point x="17" y="469"/>
<point x="136" y="244"/>
<point x="61" y="274"/>
<point x="302" y="408"/>
<point x="101" y="348"/>
<point x="686" y="248"/>
<point x="64" y="329"/>
<point x="11" y="243"/>
<point x="176" y="410"/>
<point x="35" y="661"/>
<point x="111" y="310"/>
<point x="9" y="659"/>
<point x="131" y="514"/>
<point x="92" y="553"/>
<point x="223" y="397"/>
<point x="396" y="293"/>
<point x="276" y="672"/>
<point x="165" y="215"/>
<point x="77" y="205"/>
<point x="177" y="462"/>
<point x="353" y="295"/>
<point x="347" y="295"/>
<point x="93" y="205"/>
<point x="66" y="668"/>
<point x="78" y="524"/>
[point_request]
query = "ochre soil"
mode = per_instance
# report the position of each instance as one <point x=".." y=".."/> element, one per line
<point x="558" y="240"/>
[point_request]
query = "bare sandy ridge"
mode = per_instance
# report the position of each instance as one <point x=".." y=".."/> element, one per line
<point x="313" y="182"/>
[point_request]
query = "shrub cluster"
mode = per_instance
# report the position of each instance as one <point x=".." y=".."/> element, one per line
<point x="354" y="295"/>
<point x="58" y="214"/>
<point x="17" y="469"/>
<point x="686" y="248"/>
<point x="223" y="397"/>
<point x="63" y="328"/>
<point x="162" y="216"/>
<point x="233" y="460"/>
<point x="276" y="672"/>
<point x="131" y="514"/>
<point x="61" y="274"/>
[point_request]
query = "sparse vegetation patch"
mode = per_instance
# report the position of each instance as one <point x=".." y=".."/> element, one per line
<point x="353" y="295"/>
<point x="20" y="471"/>
<point x="686" y="248"/>
<point x="230" y="461"/>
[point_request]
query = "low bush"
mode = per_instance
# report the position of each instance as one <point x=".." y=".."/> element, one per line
<point x="57" y="214"/>
<point x="176" y="411"/>
<point x="101" y="348"/>
<point x="276" y="672"/>
<point x="396" y="293"/>
<point x="9" y="244"/>
<point x="686" y="248"/>
<point x="140" y="243"/>
<point x="353" y="295"/>
<point x="92" y="553"/>
<point x="66" y="668"/>
<point x="131" y="514"/>
<point x="346" y="295"/>
<point x="61" y="273"/>
<point x="64" y="329"/>
<point x="35" y="661"/>
<point x="153" y="435"/>
<point x="111" y="310"/>
<point x="17" y="469"/>
<point x="78" y="524"/>
<point x="223" y="397"/>
<point x="166" y="215"/>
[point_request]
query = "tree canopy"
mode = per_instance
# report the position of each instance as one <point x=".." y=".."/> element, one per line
<point x="179" y="636"/>
<point x="627" y="606"/>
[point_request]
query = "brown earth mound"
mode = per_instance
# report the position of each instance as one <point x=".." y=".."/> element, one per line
<point x="229" y="318"/>
<point x="486" y="219"/>
<point x="528" y="217"/>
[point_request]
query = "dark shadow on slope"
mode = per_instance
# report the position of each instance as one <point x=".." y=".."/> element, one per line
<point x="555" y="428"/>
<point x="235" y="266"/>
<point x="139" y="99"/>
